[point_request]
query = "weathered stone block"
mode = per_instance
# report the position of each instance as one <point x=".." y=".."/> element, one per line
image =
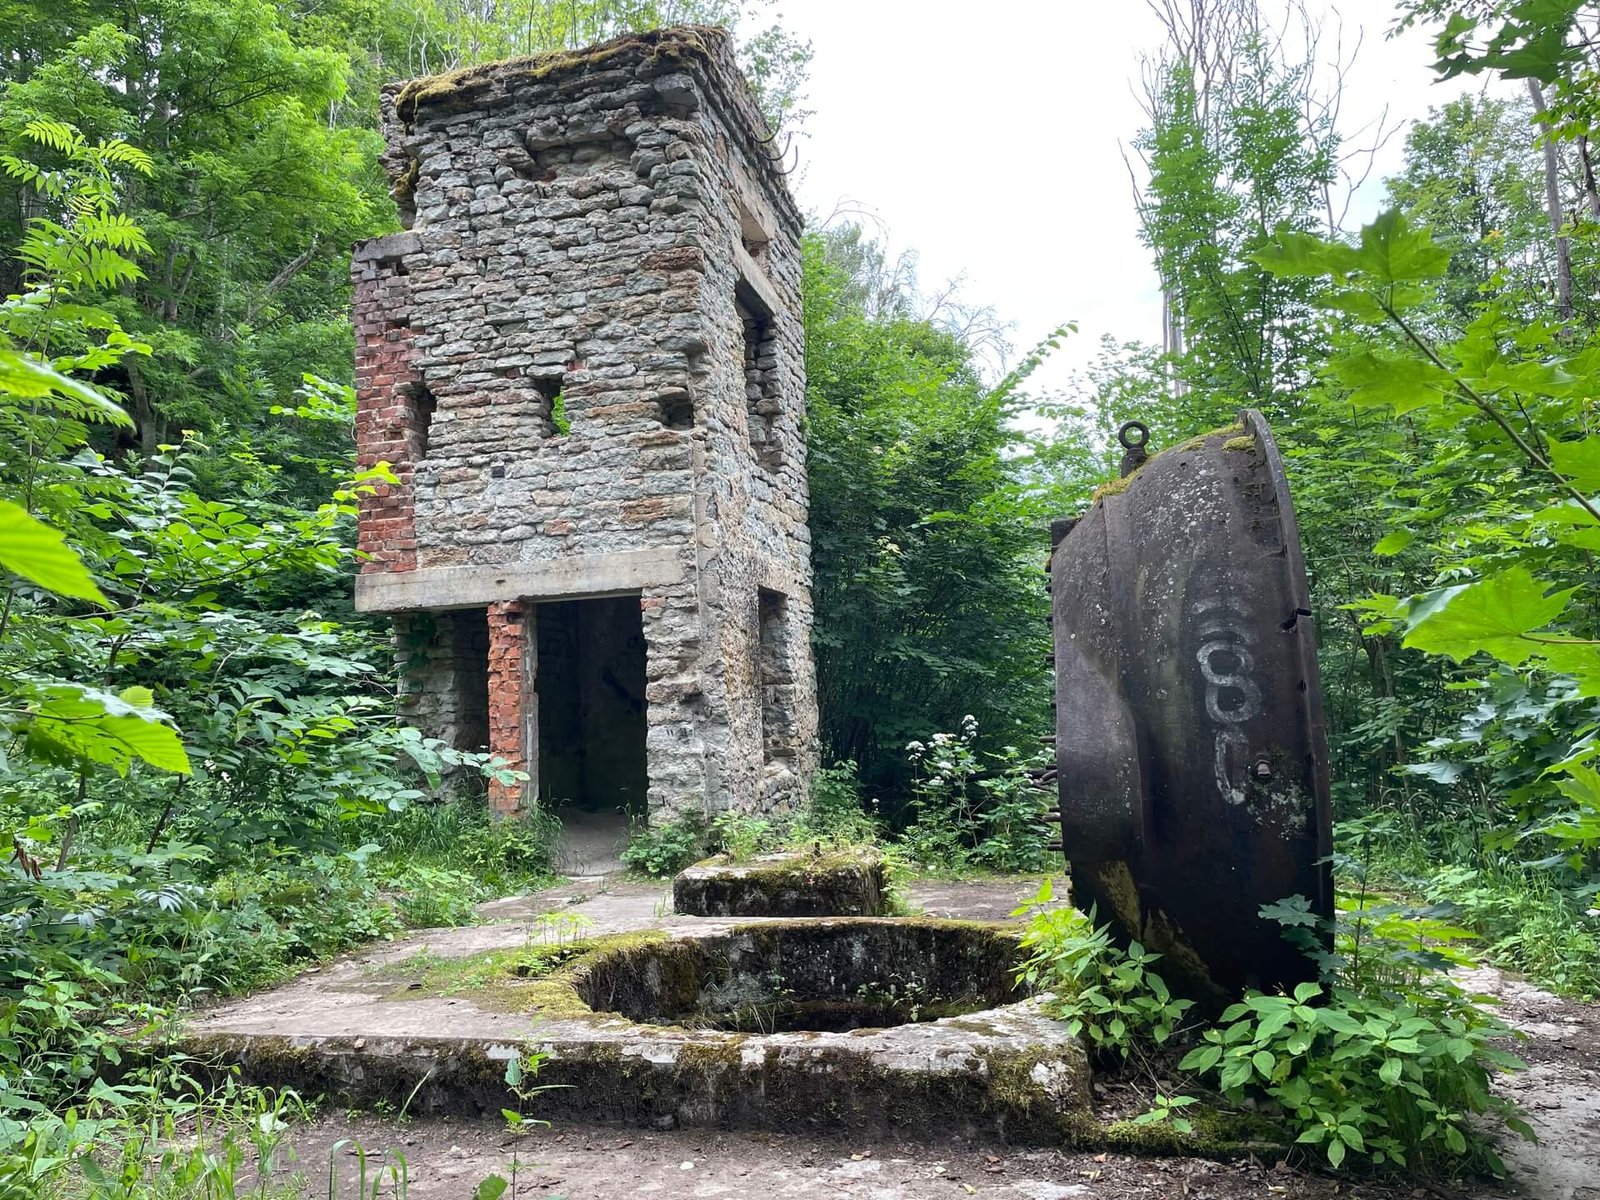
<point x="832" y="884"/>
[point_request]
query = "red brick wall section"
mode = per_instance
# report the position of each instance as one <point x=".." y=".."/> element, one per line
<point x="389" y="426"/>
<point x="508" y="687"/>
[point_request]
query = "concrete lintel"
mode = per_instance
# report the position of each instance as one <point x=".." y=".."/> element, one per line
<point x="557" y="578"/>
<point x="755" y="280"/>
<point x="777" y="578"/>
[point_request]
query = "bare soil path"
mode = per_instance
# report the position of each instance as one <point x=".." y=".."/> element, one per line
<point x="447" y="1160"/>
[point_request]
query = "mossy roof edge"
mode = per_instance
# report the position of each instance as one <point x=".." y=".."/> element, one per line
<point x="675" y="42"/>
<point x="709" y="45"/>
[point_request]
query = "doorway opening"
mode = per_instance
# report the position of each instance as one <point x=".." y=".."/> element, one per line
<point x="590" y="683"/>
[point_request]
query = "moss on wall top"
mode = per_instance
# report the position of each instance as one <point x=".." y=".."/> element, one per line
<point x="676" y="44"/>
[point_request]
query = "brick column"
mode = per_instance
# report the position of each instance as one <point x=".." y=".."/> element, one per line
<point x="510" y="689"/>
<point x="390" y="421"/>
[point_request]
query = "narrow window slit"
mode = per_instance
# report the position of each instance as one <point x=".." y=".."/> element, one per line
<point x="423" y="407"/>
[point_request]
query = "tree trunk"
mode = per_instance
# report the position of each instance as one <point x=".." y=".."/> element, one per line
<point x="1591" y="194"/>
<point x="144" y="416"/>
<point x="1552" y="200"/>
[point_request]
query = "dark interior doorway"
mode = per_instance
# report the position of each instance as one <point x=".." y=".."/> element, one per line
<point x="590" y="684"/>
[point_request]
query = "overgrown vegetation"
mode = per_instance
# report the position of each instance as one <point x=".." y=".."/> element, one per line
<point x="204" y="775"/>
<point x="972" y="812"/>
<point x="1439" y="364"/>
<point x="1388" y="1062"/>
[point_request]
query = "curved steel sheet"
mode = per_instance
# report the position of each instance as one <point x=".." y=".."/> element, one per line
<point x="1191" y="753"/>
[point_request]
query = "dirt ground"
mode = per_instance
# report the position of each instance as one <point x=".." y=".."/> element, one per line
<point x="447" y="1159"/>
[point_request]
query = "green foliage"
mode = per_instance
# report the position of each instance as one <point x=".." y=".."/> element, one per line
<point x="974" y="809"/>
<point x="1391" y="1066"/>
<point x="930" y="589"/>
<point x="32" y="550"/>
<point x="1544" y="41"/>
<point x="836" y="812"/>
<point x="121" y="1144"/>
<point x="663" y="850"/>
<point x="1392" y="1080"/>
<point x="1168" y="1109"/>
<point x="1516" y="390"/>
<point x="183" y="762"/>
<point x="462" y="835"/>
<point x="742" y="837"/>
<point x="1107" y="995"/>
<point x="1232" y="157"/>
<point x="1532" y="918"/>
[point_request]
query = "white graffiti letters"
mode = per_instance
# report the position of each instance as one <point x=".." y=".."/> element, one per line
<point x="1232" y="697"/>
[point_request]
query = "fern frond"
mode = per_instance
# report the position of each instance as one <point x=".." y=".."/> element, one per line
<point x="26" y="378"/>
<point x="57" y="135"/>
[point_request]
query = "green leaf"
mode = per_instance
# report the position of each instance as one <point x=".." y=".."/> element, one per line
<point x="491" y="1188"/>
<point x="29" y="379"/>
<point x="1579" y="462"/>
<point x="1582" y="787"/>
<point x="1491" y="615"/>
<point x="1401" y="383"/>
<point x="1337" y="1020"/>
<point x="1335" y="1151"/>
<point x="153" y="741"/>
<point x="1272" y="1023"/>
<point x="1390" y="1071"/>
<point x="1263" y="1062"/>
<point x="1579" y="659"/>
<point x="1201" y="1058"/>
<point x="1392" y="251"/>
<point x="1292" y="255"/>
<point x="1391" y="544"/>
<point x="40" y="554"/>
<point x="79" y="725"/>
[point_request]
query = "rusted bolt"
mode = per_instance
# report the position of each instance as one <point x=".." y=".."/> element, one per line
<point x="1261" y="769"/>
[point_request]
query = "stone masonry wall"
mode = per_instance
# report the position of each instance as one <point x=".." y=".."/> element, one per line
<point x="584" y="360"/>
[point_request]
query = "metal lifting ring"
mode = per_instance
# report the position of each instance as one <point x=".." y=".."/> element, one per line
<point x="1130" y="427"/>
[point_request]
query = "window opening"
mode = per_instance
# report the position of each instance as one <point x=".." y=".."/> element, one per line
<point x="760" y="347"/>
<point x="423" y="406"/>
<point x="553" y="396"/>
<point x="775" y="665"/>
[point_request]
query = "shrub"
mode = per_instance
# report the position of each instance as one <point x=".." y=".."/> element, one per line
<point x="742" y="837"/>
<point x="662" y="850"/>
<point x="835" y="812"/>
<point x="434" y="897"/>
<point x="975" y="809"/>
<point x="1106" y="994"/>
<point x="1393" y="1080"/>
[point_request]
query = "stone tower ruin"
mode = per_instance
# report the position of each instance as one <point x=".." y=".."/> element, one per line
<point x="583" y="362"/>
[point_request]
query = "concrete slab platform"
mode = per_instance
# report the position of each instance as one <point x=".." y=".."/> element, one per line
<point x="361" y="1031"/>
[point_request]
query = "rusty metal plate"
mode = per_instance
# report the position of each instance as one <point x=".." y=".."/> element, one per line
<point x="1190" y="748"/>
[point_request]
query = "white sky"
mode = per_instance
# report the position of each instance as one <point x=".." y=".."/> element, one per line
<point x="988" y="138"/>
